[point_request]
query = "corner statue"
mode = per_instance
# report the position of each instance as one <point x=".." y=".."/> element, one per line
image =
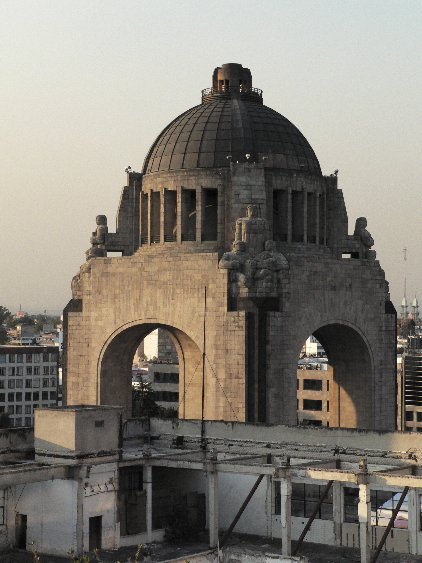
<point x="365" y="239"/>
<point x="98" y="239"/>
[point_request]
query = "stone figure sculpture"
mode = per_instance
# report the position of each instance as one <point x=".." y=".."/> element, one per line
<point x="98" y="239"/>
<point x="252" y="230"/>
<point x="365" y="239"/>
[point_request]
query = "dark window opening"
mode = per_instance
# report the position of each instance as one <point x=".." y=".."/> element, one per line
<point x="297" y="216"/>
<point x="311" y="218"/>
<point x="188" y="215"/>
<point x="170" y="216"/>
<point x="312" y="405"/>
<point x="305" y="498"/>
<point x="155" y="217"/>
<point x="312" y="384"/>
<point x="280" y="215"/>
<point x="209" y="214"/>
<point x="144" y="218"/>
<point x="322" y="215"/>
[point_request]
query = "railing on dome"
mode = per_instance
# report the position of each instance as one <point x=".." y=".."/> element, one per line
<point x="246" y="93"/>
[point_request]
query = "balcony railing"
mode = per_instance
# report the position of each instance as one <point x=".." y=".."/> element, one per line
<point x="251" y="94"/>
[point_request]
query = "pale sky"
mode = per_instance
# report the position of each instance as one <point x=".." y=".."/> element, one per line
<point x="86" y="86"/>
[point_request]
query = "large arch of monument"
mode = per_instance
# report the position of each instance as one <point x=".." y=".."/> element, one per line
<point x="233" y="240"/>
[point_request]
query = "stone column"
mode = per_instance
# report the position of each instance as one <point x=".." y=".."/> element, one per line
<point x="162" y="211"/>
<point x="413" y="520"/>
<point x="338" y="511"/>
<point x="365" y="531"/>
<point x="147" y="479"/>
<point x="199" y="217"/>
<point x="317" y="216"/>
<point x="289" y="215"/>
<point x="213" y="507"/>
<point x="305" y="216"/>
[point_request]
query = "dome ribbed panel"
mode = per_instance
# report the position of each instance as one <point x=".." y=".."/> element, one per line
<point x="204" y="136"/>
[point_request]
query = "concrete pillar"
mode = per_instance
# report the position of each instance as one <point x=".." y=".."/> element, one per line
<point x="286" y="515"/>
<point x="147" y="479"/>
<point x="213" y="507"/>
<point x="269" y="506"/>
<point x="80" y="517"/>
<point x="338" y="511"/>
<point x="289" y="215"/>
<point x="413" y="523"/>
<point x="364" y="513"/>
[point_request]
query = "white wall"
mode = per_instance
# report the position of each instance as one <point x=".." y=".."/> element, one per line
<point x="50" y="507"/>
<point x="100" y="499"/>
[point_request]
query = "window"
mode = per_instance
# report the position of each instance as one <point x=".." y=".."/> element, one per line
<point x="3" y="371"/>
<point x="11" y="371"/>
<point x="18" y="409"/>
<point x="419" y="416"/>
<point x="11" y="397"/>
<point x="312" y="405"/>
<point x="53" y="382"/>
<point x="29" y="370"/>
<point x="52" y="370"/>
<point x="312" y="384"/>
<point x="36" y="396"/>
<point x="19" y="383"/>
<point x="52" y="395"/>
<point x="351" y="501"/>
<point x="18" y="421"/>
<point x="45" y="357"/>
<point x="1" y="384"/>
<point x="2" y="358"/>
<point x="45" y="370"/>
<point x="36" y="370"/>
<point x="382" y="505"/>
<point x="409" y="415"/>
<point x="29" y="358"/>
<point x="2" y="397"/>
<point x="28" y="396"/>
<point x="53" y="357"/>
<point x="305" y="498"/>
<point x="36" y="358"/>
<point x="35" y="406"/>
<point x="99" y="424"/>
<point x="19" y="370"/>
<point x="44" y="396"/>
<point x="45" y="382"/>
<point x="19" y="358"/>
<point x="28" y="383"/>
<point x="11" y="358"/>
<point x="11" y="409"/>
<point x="36" y="382"/>
<point x="18" y="397"/>
<point x="28" y="409"/>
<point x="28" y="421"/>
<point x="11" y="384"/>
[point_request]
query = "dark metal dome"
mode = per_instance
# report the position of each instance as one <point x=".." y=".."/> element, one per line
<point x="230" y="123"/>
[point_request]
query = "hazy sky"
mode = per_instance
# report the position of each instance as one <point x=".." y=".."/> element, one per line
<point x="87" y="85"/>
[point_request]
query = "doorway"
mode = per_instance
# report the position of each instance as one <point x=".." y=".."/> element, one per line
<point x="20" y="530"/>
<point x="95" y="531"/>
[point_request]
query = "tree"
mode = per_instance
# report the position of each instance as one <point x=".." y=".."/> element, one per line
<point x="143" y="402"/>
<point x="5" y="315"/>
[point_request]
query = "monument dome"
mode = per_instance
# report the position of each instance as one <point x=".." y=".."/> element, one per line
<point x="231" y="124"/>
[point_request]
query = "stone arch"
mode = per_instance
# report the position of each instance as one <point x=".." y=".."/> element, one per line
<point x="352" y="391"/>
<point x="114" y="368"/>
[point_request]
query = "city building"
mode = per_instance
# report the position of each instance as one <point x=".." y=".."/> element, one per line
<point x="28" y="380"/>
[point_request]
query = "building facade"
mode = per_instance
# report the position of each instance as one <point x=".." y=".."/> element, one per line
<point x="28" y="380"/>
